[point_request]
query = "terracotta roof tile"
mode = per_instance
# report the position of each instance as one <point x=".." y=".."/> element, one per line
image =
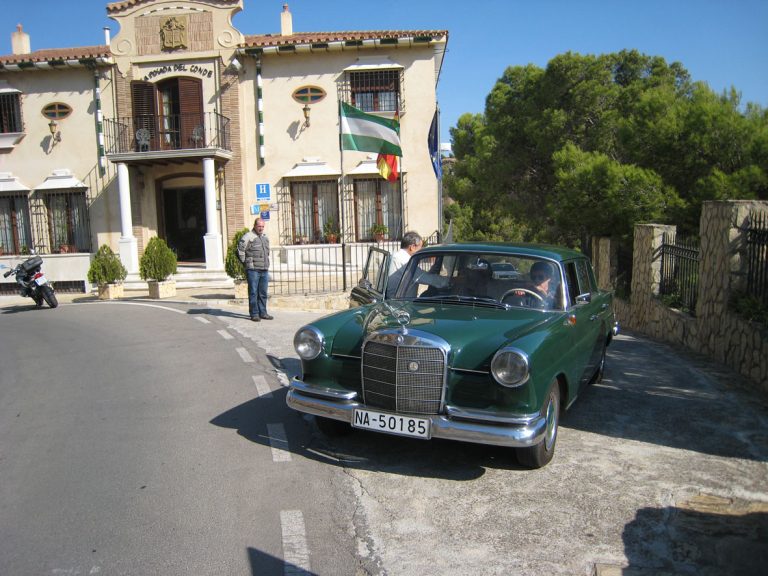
<point x="264" y="40"/>
<point x="58" y="54"/>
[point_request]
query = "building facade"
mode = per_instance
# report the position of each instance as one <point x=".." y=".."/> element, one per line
<point x="183" y="127"/>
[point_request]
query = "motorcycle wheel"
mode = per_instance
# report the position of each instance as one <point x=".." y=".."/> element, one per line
<point x="38" y="298"/>
<point x="49" y="296"/>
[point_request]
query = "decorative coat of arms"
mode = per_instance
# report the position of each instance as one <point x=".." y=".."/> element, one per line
<point x="174" y="33"/>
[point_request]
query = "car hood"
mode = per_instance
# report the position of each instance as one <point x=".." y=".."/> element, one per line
<point x="474" y="333"/>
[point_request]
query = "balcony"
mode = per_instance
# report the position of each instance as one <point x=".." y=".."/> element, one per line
<point x="178" y="136"/>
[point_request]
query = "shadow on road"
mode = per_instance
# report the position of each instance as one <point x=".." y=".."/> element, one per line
<point x="263" y="564"/>
<point x="680" y="540"/>
<point x="364" y="450"/>
<point x="650" y="395"/>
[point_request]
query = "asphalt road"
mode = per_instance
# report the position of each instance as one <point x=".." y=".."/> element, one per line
<point x="136" y="439"/>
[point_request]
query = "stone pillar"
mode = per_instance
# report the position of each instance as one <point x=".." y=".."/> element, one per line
<point x="722" y="269"/>
<point x="646" y="273"/>
<point x="129" y="249"/>
<point x="605" y="262"/>
<point x="212" y="239"/>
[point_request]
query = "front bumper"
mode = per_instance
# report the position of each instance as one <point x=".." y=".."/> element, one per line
<point x="457" y="424"/>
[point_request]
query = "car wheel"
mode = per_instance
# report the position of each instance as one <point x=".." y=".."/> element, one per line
<point x="49" y="296"/>
<point x="331" y="427"/>
<point x="541" y="454"/>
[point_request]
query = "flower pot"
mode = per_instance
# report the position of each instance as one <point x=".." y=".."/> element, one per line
<point x="379" y="237"/>
<point x="110" y="291"/>
<point x="241" y="289"/>
<point x="331" y="238"/>
<point x="164" y="289"/>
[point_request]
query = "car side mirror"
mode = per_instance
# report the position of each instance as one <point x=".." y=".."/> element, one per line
<point x="583" y="298"/>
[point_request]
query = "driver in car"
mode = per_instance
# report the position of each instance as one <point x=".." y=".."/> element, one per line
<point x="540" y="283"/>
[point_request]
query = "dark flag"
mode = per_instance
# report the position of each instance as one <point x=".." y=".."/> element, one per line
<point x="433" y="143"/>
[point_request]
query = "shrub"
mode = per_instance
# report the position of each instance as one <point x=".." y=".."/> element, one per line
<point x="106" y="267"/>
<point x="158" y="261"/>
<point x="232" y="265"/>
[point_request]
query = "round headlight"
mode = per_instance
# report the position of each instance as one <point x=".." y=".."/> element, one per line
<point x="510" y="367"/>
<point x="308" y="342"/>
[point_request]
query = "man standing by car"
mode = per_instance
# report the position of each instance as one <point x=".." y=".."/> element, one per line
<point x="253" y="251"/>
<point x="409" y="245"/>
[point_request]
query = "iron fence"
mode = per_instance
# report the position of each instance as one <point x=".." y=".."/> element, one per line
<point x="679" y="285"/>
<point x="757" y="256"/>
<point x="157" y="133"/>
<point x="324" y="268"/>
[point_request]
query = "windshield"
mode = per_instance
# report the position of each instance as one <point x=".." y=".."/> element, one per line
<point x="477" y="277"/>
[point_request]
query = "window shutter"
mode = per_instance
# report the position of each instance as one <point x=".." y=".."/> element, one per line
<point x="144" y="105"/>
<point x="191" y="109"/>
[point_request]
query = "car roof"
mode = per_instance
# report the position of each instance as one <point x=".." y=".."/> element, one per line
<point x="557" y="253"/>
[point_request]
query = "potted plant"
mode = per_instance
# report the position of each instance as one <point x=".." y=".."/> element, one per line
<point x="155" y="266"/>
<point x="379" y="232"/>
<point x="236" y="269"/>
<point x="108" y="273"/>
<point x="331" y="231"/>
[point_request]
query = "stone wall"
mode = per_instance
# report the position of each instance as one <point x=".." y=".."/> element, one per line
<point x="715" y="331"/>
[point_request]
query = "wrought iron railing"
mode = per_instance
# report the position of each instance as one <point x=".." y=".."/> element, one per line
<point x="158" y="133"/>
<point x="679" y="286"/>
<point x="323" y="268"/>
<point x="757" y="256"/>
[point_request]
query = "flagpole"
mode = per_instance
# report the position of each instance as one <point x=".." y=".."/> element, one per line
<point x="341" y="205"/>
<point x="440" y="215"/>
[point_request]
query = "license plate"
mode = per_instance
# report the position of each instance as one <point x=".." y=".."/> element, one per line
<point x="392" y="423"/>
<point x="40" y="280"/>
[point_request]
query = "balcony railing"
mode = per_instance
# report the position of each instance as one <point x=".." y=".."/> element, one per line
<point x="157" y="133"/>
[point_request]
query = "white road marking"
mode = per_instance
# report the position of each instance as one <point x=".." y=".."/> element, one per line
<point x="244" y="355"/>
<point x="262" y="387"/>
<point x="279" y="443"/>
<point x="295" y="550"/>
<point x="131" y="304"/>
<point x="203" y="320"/>
<point x="224" y="334"/>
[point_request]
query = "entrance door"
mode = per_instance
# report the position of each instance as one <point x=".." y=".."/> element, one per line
<point x="183" y="222"/>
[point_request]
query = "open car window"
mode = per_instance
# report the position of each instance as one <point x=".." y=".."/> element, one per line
<point x="477" y="278"/>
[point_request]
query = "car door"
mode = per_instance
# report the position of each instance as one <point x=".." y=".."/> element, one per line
<point x="373" y="284"/>
<point x="587" y="316"/>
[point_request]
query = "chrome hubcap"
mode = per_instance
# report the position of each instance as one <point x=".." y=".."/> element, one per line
<point x="552" y="412"/>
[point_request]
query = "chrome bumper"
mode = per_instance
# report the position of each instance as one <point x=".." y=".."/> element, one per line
<point x="457" y="424"/>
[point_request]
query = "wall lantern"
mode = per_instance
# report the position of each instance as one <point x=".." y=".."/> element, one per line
<point x="306" y="111"/>
<point x="53" y="126"/>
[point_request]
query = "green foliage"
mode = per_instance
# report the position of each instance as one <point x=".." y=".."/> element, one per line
<point x="379" y="229"/>
<point x="232" y="265"/>
<point x="750" y="308"/>
<point x="106" y="267"/>
<point x="158" y="261"/>
<point x="612" y="140"/>
<point x="331" y="226"/>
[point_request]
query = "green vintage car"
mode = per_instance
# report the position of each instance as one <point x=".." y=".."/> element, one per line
<point x="483" y="343"/>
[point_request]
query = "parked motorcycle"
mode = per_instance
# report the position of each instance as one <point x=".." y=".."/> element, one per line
<point x="33" y="283"/>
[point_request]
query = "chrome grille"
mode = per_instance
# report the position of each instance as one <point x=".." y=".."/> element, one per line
<point x="403" y="378"/>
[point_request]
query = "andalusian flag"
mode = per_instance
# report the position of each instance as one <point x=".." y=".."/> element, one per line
<point x="369" y="133"/>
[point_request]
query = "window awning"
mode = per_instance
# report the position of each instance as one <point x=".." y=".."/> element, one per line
<point x="60" y="179"/>
<point x="372" y="63"/>
<point x="10" y="183"/>
<point x="367" y="167"/>
<point x="312" y="167"/>
<point x="5" y="88"/>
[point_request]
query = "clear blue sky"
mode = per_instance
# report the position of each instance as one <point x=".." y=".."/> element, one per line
<point x="721" y="42"/>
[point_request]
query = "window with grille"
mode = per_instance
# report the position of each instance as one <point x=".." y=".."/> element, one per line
<point x="10" y="113"/>
<point x="68" y="221"/>
<point x="377" y="201"/>
<point x="375" y="90"/>
<point x="312" y="205"/>
<point x="15" y="236"/>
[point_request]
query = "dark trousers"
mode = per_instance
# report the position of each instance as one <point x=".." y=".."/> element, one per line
<point x="258" y="282"/>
